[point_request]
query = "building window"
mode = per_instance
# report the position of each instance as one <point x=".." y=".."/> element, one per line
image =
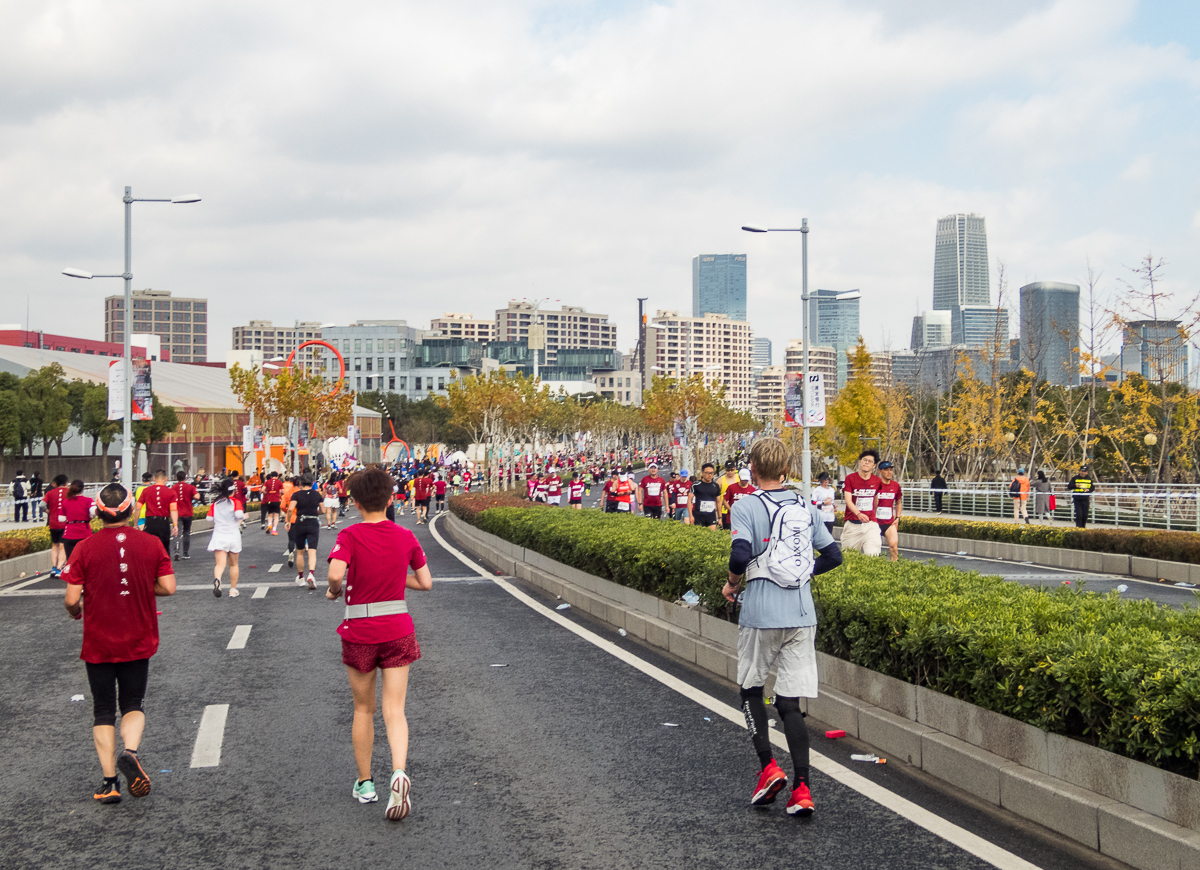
<point x="358" y="364"/>
<point x="404" y="383"/>
<point x="391" y="383"/>
<point x="345" y="345"/>
<point x="369" y="381"/>
<point x="417" y="383"/>
<point x="391" y="363"/>
<point x="379" y="366"/>
<point x="359" y="383"/>
<point x="358" y="345"/>
<point x="370" y="364"/>
<point x="441" y="383"/>
<point x="370" y="349"/>
<point x="391" y="345"/>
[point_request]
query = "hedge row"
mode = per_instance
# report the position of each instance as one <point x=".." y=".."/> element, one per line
<point x="21" y="542"/>
<point x="1169" y="546"/>
<point x="1123" y="675"/>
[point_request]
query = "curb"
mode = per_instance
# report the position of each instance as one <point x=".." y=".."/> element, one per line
<point x="1138" y="814"/>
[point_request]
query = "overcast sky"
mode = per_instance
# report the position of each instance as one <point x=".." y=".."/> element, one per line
<point x="400" y="159"/>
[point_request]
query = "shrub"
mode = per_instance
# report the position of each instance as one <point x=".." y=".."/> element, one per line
<point x="469" y="507"/>
<point x="11" y="547"/>
<point x="1123" y="675"/>
<point x="1169" y="546"/>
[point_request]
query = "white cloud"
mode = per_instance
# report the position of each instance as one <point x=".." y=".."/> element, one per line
<point x="401" y="159"/>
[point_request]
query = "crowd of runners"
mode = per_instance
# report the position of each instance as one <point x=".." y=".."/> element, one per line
<point x="120" y="569"/>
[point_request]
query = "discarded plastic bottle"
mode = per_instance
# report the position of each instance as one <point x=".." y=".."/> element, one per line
<point x="874" y="759"/>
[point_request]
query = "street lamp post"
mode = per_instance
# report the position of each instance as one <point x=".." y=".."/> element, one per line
<point x="806" y="452"/>
<point x="127" y="352"/>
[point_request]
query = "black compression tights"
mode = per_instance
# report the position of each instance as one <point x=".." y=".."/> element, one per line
<point x="755" y="710"/>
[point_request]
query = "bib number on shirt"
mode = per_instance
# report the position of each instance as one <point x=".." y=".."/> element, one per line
<point x="708" y="507"/>
<point x="883" y="513"/>
<point x="864" y="502"/>
<point x="622" y="505"/>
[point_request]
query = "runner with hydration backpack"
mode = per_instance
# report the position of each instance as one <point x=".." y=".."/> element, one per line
<point x="774" y="534"/>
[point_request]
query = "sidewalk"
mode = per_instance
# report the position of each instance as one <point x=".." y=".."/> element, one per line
<point x="7" y="525"/>
<point x="1060" y="524"/>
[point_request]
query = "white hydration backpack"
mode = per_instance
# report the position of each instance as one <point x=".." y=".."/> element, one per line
<point x="788" y="560"/>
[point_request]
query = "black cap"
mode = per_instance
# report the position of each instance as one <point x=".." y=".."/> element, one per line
<point x="885" y="464"/>
<point x="729" y="465"/>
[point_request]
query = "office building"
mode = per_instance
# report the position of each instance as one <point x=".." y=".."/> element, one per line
<point x="1155" y="349"/>
<point x="272" y="342"/>
<point x="713" y="346"/>
<point x="930" y="329"/>
<point x="181" y="323"/>
<point x="833" y="322"/>
<point x="719" y="285"/>
<point x="821" y="358"/>
<point x="960" y="262"/>
<point x="453" y="325"/>
<point x="622" y="387"/>
<point x="1049" y="334"/>
<point x="570" y="327"/>
<point x="979" y="326"/>
<point x="760" y="354"/>
<point x="769" y="396"/>
<point x="387" y="355"/>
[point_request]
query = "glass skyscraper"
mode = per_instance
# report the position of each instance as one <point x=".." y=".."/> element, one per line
<point x="1050" y="331"/>
<point x="834" y="323"/>
<point x="719" y="285"/>
<point x="960" y="262"/>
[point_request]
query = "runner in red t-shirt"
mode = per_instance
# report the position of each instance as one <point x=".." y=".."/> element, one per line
<point x="575" y="490"/>
<point x="185" y="497"/>
<point x="737" y="491"/>
<point x="123" y="570"/>
<point x="653" y="488"/>
<point x="887" y="509"/>
<point x="678" y="488"/>
<point x="861" y="532"/>
<point x="162" y="513"/>
<point x="422" y="490"/>
<point x="439" y="493"/>
<point x="56" y="520"/>
<point x="374" y="558"/>
<point x="554" y="488"/>
<point x="466" y="476"/>
<point x="272" y="494"/>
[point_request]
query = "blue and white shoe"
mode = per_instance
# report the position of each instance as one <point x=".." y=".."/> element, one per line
<point x="364" y="792"/>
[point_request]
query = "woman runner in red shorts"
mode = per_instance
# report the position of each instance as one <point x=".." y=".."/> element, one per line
<point x="373" y="558"/>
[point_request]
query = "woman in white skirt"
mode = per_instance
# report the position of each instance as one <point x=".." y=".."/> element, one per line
<point x="331" y="503"/>
<point x="226" y="512"/>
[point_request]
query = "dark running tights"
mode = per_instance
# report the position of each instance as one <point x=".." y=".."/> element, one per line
<point x="755" y="710"/>
<point x="107" y="678"/>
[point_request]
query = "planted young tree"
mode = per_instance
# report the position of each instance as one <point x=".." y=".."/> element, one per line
<point x="45" y="392"/>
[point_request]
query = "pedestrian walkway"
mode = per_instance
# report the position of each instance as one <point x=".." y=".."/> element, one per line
<point x="1058" y="524"/>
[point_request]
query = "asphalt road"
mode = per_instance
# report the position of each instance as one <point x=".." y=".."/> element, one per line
<point x="558" y="759"/>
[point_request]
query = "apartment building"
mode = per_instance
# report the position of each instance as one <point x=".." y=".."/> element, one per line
<point x="544" y="329"/>
<point x="713" y="346"/>
<point x="821" y="358"/>
<point x="279" y="341"/>
<point x="181" y="323"/>
<point x="455" y="325"/>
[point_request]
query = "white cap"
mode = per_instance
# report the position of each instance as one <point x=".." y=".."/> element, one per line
<point x="744" y="474"/>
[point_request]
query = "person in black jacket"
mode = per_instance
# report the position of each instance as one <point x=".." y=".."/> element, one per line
<point x="938" y="487"/>
<point x="20" y="497"/>
<point x="36" y="490"/>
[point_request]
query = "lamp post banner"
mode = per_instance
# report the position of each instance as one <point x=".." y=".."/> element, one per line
<point x="116" y="390"/>
<point x="143" y="402"/>
<point x="816" y="399"/>
<point x="793" y="401"/>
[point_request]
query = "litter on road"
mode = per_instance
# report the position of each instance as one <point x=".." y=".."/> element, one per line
<point x="562" y="607"/>
<point x="77" y="697"/>
<point x="621" y="632"/>
<point x="499" y="666"/>
<point x="872" y="759"/>
<point x="670" y="724"/>
<point x="833" y="735"/>
<point x="961" y="553"/>
<point x="1122" y="588"/>
<point x="1187" y="585"/>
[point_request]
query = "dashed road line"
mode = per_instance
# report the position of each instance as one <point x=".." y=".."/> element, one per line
<point x="241" y="634"/>
<point x="210" y="736"/>
<point x="274" y="569"/>
<point x="918" y="815"/>
<point x="261" y="591"/>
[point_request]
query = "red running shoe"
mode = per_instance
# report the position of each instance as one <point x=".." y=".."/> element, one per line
<point x="770" y="783"/>
<point x="800" y="803"/>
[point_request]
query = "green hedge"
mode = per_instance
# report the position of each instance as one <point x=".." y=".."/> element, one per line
<point x="1169" y="546"/>
<point x="1123" y="675"/>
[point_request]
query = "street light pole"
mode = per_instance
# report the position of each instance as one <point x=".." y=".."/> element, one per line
<point x="806" y="452"/>
<point x="127" y="346"/>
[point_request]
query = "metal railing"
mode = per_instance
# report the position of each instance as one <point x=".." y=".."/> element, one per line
<point x="1173" y="507"/>
<point x="36" y="508"/>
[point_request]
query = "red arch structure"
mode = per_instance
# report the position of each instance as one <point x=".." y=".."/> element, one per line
<point x="325" y="344"/>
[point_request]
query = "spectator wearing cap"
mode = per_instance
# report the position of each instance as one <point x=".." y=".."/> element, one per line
<point x="1081" y="487"/>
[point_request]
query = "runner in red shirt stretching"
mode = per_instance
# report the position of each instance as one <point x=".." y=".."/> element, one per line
<point x="123" y="570"/>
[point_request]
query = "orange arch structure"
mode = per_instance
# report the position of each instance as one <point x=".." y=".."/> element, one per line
<point x="325" y="344"/>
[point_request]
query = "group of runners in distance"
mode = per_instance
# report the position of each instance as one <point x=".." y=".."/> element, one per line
<point x="118" y="571"/>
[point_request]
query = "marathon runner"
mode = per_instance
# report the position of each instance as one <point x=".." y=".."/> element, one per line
<point x="331" y="502"/>
<point x="422" y="490"/>
<point x="728" y="479"/>
<point x="185" y="497"/>
<point x="887" y="509"/>
<point x="305" y="528"/>
<point x="56" y="520"/>
<point x="653" y="488"/>
<point x="439" y="493"/>
<point x="554" y="488"/>
<point x="272" y="496"/>
<point x="625" y="493"/>
<point x="704" y="499"/>
<point x="678" y="488"/>
<point x="122" y="570"/>
<point x="227" y="512"/>
<point x="737" y="491"/>
<point x="285" y="504"/>
<point x="575" y="491"/>
<point x="161" y="511"/>
<point x="861" y="532"/>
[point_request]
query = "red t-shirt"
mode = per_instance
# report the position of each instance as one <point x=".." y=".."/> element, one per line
<point x="377" y="557"/>
<point x="653" y="489"/>
<point x="889" y="500"/>
<point x="55" y="500"/>
<point x="440" y="487"/>
<point x="185" y="496"/>
<point x="78" y="511"/>
<point x="158" y="500"/>
<point x="736" y="491"/>
<point x="273" y="490"/>
<point x="861" y="491"/>
<point x="240" y="486"/>
<point x="575" y="490"/>
<point x="117" y="568"/>
<point x="554" y="485"/>
<point x="422" y="487"/>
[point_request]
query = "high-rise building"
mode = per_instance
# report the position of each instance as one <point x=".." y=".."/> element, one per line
<point x="760" y="354"/>
<point x="833" y="322"/>
<point x="979" y="326"/>
<point x="713" y="346"/>
<point x="454" y="325"/>
<point x="719" y="285"/>
<point x="181" y="323"/>
<point x="821" y="358"/>
<point x="930" y="329"/>
<point x="769" y="395"/>
<point x="1155" y="349"/>
<point x="881" y="368"/>
<point x="1049" y="341"/>
<point x="273" y="341"/>
<point x="571" y="327"/>
<point x="960" y="262"/>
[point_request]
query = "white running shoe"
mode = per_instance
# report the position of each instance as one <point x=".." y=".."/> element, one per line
<point x="312" y="581"/>
<point x="233" y="593"/>
<point x="399" y="804"/>
<point x="299" y="579"/>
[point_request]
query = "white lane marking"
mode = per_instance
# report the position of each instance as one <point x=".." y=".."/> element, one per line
<point x="241" y="634"/>
<point x="260" y="592"/>
<point x="38" y="579"/>
<point x="274" y="569"/>
<point x="207" y="752"/>
<point x="886" y="798"/>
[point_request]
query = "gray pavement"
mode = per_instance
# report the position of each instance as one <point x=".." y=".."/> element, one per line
<point x="560" y="759"/>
